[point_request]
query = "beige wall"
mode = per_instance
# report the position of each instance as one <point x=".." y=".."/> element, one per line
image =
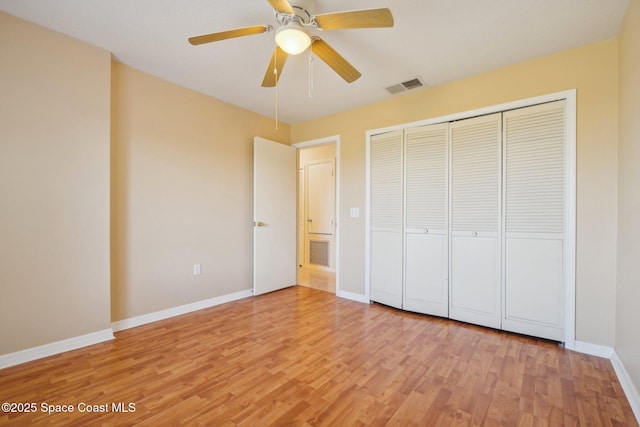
<point x="628" y="292"/>
<point x="54" y="186"/>
<point x="592" y="70"/>
<point x="182" y="194"/>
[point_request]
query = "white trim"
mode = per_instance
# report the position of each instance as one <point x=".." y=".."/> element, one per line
<point x="320" y="141"/>
<point x="132" y="322"/>
<point x="367" y="218"/>
<point x="53" y="348"/>
<point x="333" y="139"/>
<point x="354" y="297"/>
<point x="569" y="95"/>
<point x="627" y="385"/>
<point x="570" y="247"/>
<point x="591" y="349"/>
<point x="338" y="221"/>
<point x="570" y="221"/>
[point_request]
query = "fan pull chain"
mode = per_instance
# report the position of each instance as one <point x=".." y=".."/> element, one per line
<point x="311" y="71"/>
<point x="275" y="72"/>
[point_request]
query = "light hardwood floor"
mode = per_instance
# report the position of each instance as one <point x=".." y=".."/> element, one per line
<point x="300" y="356"/>
<point x="317" y="279"/>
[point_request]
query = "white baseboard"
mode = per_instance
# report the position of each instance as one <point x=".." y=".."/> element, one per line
<point x="132" y="322"/>
<point x="593" y="349"/>
<point x="353" y="296"/>
<point x="627" y="385"/>
<point x="623" y="376"/>
<point x="57" y="347"/>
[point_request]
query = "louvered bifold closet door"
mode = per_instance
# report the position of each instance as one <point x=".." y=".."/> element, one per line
<point x="386" y="186"/>
<point x="426" y="249"/>
<point x="534" y="194"/>
<point x="475" y="283"/>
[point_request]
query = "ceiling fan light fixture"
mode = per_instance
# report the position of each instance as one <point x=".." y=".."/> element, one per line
<point x="292" y="38"/>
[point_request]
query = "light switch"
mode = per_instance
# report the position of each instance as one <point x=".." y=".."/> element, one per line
<point x="196" y="269"/>
<point x="355" y="212"/>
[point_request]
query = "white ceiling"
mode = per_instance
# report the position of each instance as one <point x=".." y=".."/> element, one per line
<point x="436" y="40"/>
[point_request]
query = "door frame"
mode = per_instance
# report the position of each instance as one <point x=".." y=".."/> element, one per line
<point x="333" y="139"/>
<point x="569" y="203"/>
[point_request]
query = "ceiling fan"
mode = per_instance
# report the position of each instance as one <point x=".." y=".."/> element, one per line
<point x="292" y="35"/>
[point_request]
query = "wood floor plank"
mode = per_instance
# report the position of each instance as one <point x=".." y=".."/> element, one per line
<point x="303" y="357"/>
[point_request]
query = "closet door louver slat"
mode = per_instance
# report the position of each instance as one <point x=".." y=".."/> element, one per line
<point x="475" y="153"/>
<point x="534" y="172"/>
<point x="386" y="181"/>
<point x="426" y="177"/>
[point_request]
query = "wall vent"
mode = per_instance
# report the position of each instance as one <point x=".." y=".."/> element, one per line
<point x="405" y="86"/>
<point x="319" y="252"/>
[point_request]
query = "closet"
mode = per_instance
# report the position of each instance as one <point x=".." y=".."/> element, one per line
<point x="468" y="221"/>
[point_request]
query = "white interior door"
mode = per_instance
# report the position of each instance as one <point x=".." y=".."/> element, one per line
<point x="386" y="181"/>
<point x="274" y="208"/>
<point x="320" y="198"/>
<point x="426" y="282"/>
<point x="475" y="201"/>
<point x="534" y="195"/>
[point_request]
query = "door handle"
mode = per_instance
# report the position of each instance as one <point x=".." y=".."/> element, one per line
<point x="258" y="224"/>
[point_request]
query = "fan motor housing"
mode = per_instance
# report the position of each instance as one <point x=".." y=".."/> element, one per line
<point x="302" y="11"/>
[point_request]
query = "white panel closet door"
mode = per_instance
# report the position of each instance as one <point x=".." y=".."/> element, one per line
<point x="426" y="243"/>
<point x="475" y="279"/>
<point x="386" y="183"/>
<point x="534" y="193"/>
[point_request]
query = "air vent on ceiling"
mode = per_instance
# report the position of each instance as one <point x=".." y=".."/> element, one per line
<point x="405" y="86"/>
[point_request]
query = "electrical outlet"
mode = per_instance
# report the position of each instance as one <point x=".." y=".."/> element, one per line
<point x="196" y="269"/>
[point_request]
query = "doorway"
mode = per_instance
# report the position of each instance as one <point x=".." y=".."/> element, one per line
<point x="317" y="214"/>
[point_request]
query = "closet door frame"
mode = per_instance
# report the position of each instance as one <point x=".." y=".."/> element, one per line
<point x="569" y="249"/>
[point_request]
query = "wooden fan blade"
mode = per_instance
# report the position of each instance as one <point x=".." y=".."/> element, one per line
<point x="281" y="6"/>
<point x="334" y="60"/>
<point x="371" y="18"/>
<point x="278" y="59"/>
<point x="238" y="32"/>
